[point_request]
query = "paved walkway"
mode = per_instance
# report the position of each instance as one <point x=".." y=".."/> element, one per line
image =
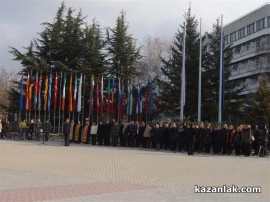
<point x="31" y="171"/>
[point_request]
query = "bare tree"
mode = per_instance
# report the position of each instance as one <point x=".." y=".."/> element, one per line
<point x="152" y="49"/>
<point x="7" y="79"/>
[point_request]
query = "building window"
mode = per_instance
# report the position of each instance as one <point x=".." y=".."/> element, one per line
<point x="241" y="33"/>
<point x="268" y="21"/>
<point x="226" y="40"/>
<point x="260" y="25"/>
<point x="250" y="29"/>
<point x="233" y="37"/>
<point x="248" y="45"/>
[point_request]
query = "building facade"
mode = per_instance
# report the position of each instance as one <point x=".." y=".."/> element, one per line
<point x="249" y="38"/>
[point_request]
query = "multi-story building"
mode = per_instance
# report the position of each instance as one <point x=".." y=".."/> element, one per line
<point x="249" y="38"/>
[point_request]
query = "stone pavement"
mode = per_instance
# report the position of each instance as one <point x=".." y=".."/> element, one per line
<point x="31" y="171"/>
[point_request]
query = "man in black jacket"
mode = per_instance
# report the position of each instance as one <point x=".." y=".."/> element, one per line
<point x="66" y="131"/>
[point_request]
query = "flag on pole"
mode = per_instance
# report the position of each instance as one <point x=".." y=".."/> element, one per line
<point x="46" y="92"/>
<point x="36" y="91"/>
<point x="55" y="92"/>
<point x="150" y="98"/>
<point x="21" y="93"/>
<point x="92" y="85"/>
<point x="75" y="92"/>
<point x="113" y="91"/>
<point x="50" y="92"/>
<point x="139" y="104"/>
<point x="27" y="93"/>
<point x="97" y="96"/>
<point x="130" y="99"/>
<point x="123" y="101"/>
<point x="79" y="103"/>
<point x="64" y="92"/>
<point x="70" y="99"/>
<point x="101" y="96"/>
<point x="119" y="98"/>
<point x="30" y="97"/>
<point x="147" y="98"/>
<point x="109" y="95"/>
<point x="39" y="91"/>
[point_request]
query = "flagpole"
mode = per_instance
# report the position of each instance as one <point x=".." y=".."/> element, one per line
<point x="183" y="76"/>
<point x="60" y="98"/>
<point x="220" y="73"/>
<point x="200" y="76"/>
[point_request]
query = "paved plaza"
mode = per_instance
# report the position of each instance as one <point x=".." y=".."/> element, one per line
<point x="31" y="171"/>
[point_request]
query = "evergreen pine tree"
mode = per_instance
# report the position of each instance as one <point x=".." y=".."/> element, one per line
<point x="170" y="84"/>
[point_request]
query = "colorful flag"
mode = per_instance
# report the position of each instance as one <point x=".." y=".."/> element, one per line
<point x="21" y="93"/>
<point x="101" y="96"/>
<point x="27" y="93"/>
<point x="113" y="91"/>
<point x="70" y="104"/>
<point x="91" y="95"/>
<point x="109" y="95"/>
<point x="130" y="99"/>
<point x="147" y="98"/>
<point x="139" y="103"/>
<point x="55" y="92"/>
<point x="64" y="92"/>
<point x="50" y="92"/>
<point x="46" y="92"/>
<point x="97" y="95"/>
<point x="123" y="101"/>
<point x="30" y="97"/>
<point x="36" y="91"/>
<point x="75" y="92"/>
<point x="150" y="98"/>
<point x="79" y="104"/>
<point x="39" y="91"/>
<point x="119" y="98"/>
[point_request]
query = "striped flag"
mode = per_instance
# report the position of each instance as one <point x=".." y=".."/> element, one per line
<point x="101" y="96"/>
<point x="113" y="91"/>
<point x="50" y="92"/>
<point x="27" y="92"/>
<point x="119" y="98"/>
<point x="21" y="93"/>
<point x="46" y="92"/>
<point x="109" y="95"/>
<point x="139" y="103"/>
<point x="92" y="85"/>
<point x="75" y="92"/>
<point x="64" y="92"/>
<point x="97" y="96"/>
<point x="36" y="91"/>
<point x="70" y="99"/>
<point x="55" y="92"/>
<point x="79" y="103"/>
<point x="39" y="91"/>
<point x="150" y="98"/>
<point x="30" y="97"/>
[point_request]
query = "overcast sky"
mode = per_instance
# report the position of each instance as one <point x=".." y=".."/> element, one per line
<point x="20" y="20"/>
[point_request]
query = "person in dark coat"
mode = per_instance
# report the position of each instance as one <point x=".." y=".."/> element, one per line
<point x="165" y="136"/>
<point x="238" y="138"/>
<point x="157" y="136"/>
<point x="190" y="138"/>
<point x="107" y="131"/>
<point x="101" y="133"/>
<point x="66" y="131"/>
<point x="121" y="134"/>
<point x="173" y="136"/>
<point x="224" y="138"/>
<point x="131" y="134"/>
<point x="247" y="140"/>
<point x="31" y="129"/>
<point x="255" y="143"/>
<point x="47" y="129"/>
<point x="207" y="138"/>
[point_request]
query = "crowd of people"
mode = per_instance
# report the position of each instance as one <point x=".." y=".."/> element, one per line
<point x="190" y="138"/>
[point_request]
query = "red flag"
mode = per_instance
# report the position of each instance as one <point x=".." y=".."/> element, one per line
<point x="70" y="105"/>
<point x="55" y="92"/>
<point x="27" y="93"/>
<point x="97" y="95"/>
<point x="101" y="95"/>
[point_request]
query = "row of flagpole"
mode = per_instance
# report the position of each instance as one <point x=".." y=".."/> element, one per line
<point x="76" y="97"/>
<point x="120" y="95"/>
<point x="221" y="76"/>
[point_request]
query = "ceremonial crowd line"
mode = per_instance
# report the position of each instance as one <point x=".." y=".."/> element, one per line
<point x="190" y="138"/>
